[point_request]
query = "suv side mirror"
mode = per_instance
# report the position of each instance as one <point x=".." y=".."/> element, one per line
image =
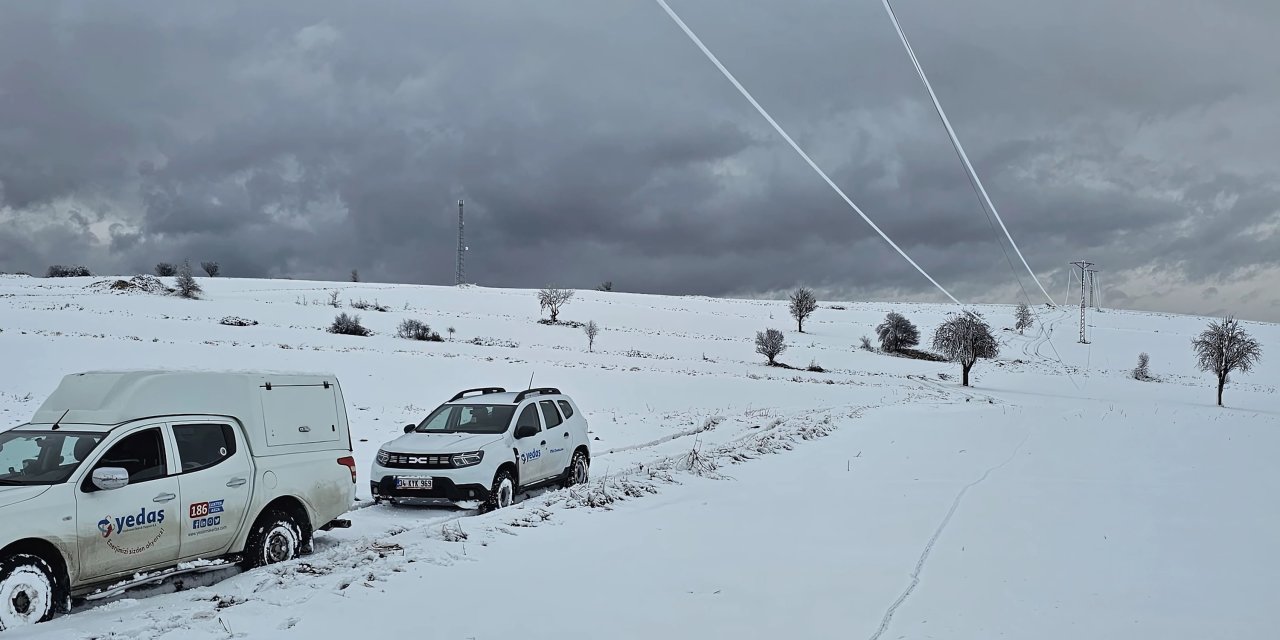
<point x="408" y="428"/>
<point x="525" y="431"/>
<point x="109" y="478"/>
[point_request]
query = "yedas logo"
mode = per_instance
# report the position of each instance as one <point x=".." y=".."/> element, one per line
<point x="144" y="519"/>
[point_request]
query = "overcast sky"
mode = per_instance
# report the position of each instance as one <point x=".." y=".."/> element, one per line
<point x="592" y="141"/>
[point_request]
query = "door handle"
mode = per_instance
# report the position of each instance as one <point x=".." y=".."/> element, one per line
<point x="236" y="482"/>
<point x="164" y="497"/>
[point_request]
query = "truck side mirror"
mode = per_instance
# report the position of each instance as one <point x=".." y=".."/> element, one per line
<point x="110" y="478"/>
<point x="525" y="431"/>
<point x="408" y="428"/>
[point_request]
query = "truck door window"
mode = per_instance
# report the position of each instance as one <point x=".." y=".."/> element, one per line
<point x="141" y="454"/>
<point x="549" y="414"/>
<point x="529" y="417"/>
<point x="201" y="446"/>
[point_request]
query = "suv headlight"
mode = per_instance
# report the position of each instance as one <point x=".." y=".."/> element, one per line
<point x="469" y="459"/>
<point x="383" y="456"/>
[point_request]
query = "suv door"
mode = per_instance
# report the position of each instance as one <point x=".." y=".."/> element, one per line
<point x="215" y="479"/>
<point x="531" y="452"/>
<point x="138" y="525"/>
<point x="559" y="444"/>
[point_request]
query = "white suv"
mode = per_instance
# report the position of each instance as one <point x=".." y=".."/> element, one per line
<point x="485" y="446"/>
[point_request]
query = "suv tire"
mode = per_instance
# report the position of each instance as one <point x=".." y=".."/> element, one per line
<point x="503" y="492"/>
<point x="28" y="591"/>
<point x="276" y="537"/>
<point x="578" y="471"/>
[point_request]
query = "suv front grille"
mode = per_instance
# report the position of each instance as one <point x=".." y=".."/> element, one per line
<point x="417" y="461"/>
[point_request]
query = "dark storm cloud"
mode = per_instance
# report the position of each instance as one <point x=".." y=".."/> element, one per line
<point x="592" y="141"/>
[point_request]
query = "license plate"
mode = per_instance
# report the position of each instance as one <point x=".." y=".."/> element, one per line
<point x="413" y="483"/>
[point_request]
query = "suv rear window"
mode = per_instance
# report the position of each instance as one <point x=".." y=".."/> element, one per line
<point x="566" y="408"/>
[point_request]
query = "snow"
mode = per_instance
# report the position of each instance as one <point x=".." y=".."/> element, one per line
<point x="729" y="499"/>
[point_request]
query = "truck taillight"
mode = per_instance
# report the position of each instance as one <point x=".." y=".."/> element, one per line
<point x="350" y="463"/>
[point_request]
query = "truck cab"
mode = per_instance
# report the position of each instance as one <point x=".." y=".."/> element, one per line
<point x="128" y="475"/>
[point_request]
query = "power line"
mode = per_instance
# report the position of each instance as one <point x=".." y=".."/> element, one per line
<point x="955" y="141"/>
<point x="746" y="94"/>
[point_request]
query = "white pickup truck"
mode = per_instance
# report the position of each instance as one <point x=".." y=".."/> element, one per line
<point x="123" y="478"/>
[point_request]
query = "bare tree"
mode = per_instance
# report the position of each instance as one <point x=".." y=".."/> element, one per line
<point x="552" y="299"/>
<point x="803" y="304"/>
<point x="211" y="268"/>
<point x="166" y="270"/>
<point x="186" y="284"/>
<point x="897" y="333"/>
<point x="451" y="331"/>
<point x="1225" y="347"/>
<point x="1023" y="317"/>
<point x="355" y="276"/>
<point x="607" y="285"/>
<point x="592" y="330"/>
<point x="964" y="338"/>
<point x="770" y="343"/>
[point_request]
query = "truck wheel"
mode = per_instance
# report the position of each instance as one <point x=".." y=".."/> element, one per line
<point x="27" y="591"/>
<point x="578" y="470"/>
<point x="503" y="493"/>
<point x="275" y="538"/>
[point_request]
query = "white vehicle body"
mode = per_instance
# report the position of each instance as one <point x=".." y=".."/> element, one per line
<point x="122" y="473"/>
<point x="459" y="452"/>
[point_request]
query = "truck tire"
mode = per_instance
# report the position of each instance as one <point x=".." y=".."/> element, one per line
<point x="503" y="493"/>
<point x="28" y="591"/>
<point x="276" y="537"/>
<point x="578" y="471"/>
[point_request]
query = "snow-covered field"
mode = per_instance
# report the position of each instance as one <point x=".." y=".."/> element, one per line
<point x="1057" y="498"/>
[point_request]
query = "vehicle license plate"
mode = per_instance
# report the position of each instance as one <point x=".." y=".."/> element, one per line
<point x="413" y="483"/>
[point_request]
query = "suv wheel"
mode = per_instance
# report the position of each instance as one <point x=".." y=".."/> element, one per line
<point x="578" y="470"/>
<point x="275" y="538"/>
<point x="27" y="591"/>
<point x="503" y="492"/>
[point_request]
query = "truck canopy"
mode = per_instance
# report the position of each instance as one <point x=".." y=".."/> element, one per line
<point x="281" y="411"/>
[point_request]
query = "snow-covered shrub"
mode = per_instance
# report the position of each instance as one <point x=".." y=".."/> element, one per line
<point x="62" y="271"/>
<point x="166" y="270"/>
<point x="416" y="330"/>
<point x="1143" y="370"/>
<point x="348" y="326"/>
<point x="866" y="344"/>
<point x="235" y="321"/>
<point x="186" y="283"/>
<point x="897" y="333"/>
<point x="770" y="343"/>
<point x="365" y="305"/>
<point x="815" y="367"/>
<point x="493" y="342"/>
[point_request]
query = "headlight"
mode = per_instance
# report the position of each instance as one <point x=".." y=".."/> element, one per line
<point x="383" y="456"/>
<point x="468" y="459"/>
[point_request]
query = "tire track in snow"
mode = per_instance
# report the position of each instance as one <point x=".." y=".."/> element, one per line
<point x="928" y="548"/>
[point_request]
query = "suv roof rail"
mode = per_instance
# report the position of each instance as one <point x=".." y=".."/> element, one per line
<point x="482" y="390"/>
<point x="535" y="392"/>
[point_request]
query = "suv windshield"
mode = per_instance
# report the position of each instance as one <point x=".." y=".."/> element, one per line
<point x="468" y="418"/>
<point x="43" y="457"/>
